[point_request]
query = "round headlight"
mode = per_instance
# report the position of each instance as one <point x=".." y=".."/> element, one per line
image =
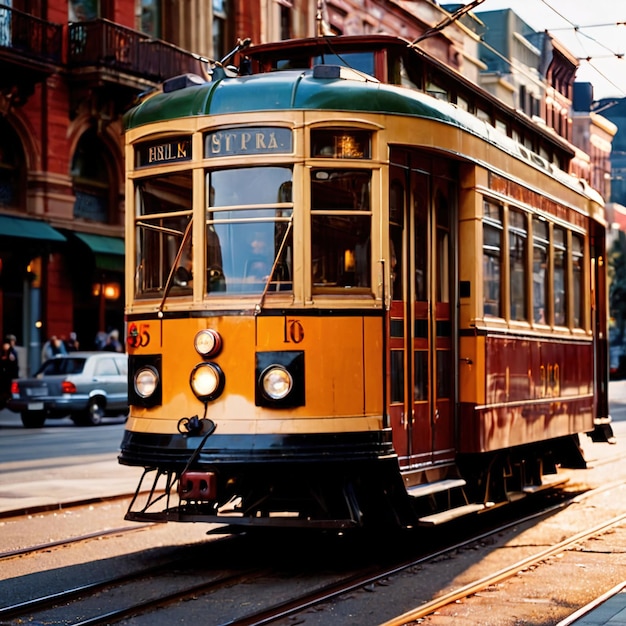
<point x="146" y="381"/>
<point x="276" y="382"/>
<point x="207" y="381"/>
<point x="207" y="343"/>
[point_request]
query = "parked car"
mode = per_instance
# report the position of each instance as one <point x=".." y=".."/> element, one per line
<point x="84" y="385"/>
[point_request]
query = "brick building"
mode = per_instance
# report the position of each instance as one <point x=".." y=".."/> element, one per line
<point x="71" y="68"/>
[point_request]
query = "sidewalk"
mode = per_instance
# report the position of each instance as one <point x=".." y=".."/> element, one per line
<point x="58" y="481"/>
<point x="29" y="487"/>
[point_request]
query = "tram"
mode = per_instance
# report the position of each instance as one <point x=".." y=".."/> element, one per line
<point x="351" y="302"/>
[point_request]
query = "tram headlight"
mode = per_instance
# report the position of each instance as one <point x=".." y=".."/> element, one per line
<point x="146" y="381"/>
<point x="207" y="381"/>
<point x="207" y="343"/>
<point x="276" y="383"/>
<point x="279" y="379"/>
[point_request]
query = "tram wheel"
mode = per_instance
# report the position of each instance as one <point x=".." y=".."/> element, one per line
<point x="33" y="419"/>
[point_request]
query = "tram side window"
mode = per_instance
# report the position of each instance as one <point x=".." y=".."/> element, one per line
<point x="518" y="241"/>
<point x="560" y="265"/>
<point x="341" y="230"/>
<point x="397" y="376"/>
<point x="579" y="275"/>
<point x="541" y="245"/>
<point x="163" y="235"/>
<point x="248" y="230"/>
<point x="492" y="259"/>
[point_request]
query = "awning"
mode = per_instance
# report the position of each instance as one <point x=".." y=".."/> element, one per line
<point x="28" y="229"/>
<point x="108" y="251"/>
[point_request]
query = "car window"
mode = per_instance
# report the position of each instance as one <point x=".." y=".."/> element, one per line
<point x="62" y="366"/>
<point x="122" y="366"/>
<point x="105" y="367"/>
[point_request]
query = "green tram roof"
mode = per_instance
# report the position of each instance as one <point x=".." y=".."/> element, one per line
<point x="313" y="89"/>
<point x="282" y="90"/>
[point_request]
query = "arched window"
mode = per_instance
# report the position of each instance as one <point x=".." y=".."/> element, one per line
<point x="12" y="168"/>
<point x="91" y="179"/>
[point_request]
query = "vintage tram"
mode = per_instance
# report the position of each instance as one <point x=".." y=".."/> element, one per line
<point x="351" y="302"/>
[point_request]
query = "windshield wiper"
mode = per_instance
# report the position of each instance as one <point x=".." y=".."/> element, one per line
<point x="179" y="254"/>
<point x="259" y="306"/>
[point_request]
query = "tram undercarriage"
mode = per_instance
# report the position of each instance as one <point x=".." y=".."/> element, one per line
<point x="345" y="496"/>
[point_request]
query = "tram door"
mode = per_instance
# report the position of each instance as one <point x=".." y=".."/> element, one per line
<point x="421" y="362"/>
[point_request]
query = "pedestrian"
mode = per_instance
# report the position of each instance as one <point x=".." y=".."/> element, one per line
<point x="72" y="344"/>
<point x="53" y="347"/>
<point x="8" y="371"/>
<point x="113" y="342"/>
<point x="101" y="340"/>
<point x="12" y="341"/>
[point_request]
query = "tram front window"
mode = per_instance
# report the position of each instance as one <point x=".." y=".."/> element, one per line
<point x="163" y="235"/>
<point x="340" y="230"/>
<point x="248" y="229"/>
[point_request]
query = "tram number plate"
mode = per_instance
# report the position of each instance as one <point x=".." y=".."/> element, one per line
<point x="35" y="406"/>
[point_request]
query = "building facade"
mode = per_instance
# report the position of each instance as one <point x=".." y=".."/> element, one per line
<point x="71" y="68"/>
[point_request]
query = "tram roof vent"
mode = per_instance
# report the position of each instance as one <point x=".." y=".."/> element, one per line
<point x="340" y="71"/>
<point x="180" y="82"/>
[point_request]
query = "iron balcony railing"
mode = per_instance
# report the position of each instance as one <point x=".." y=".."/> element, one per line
<point x="104" y="44"/>
<point x="30" y="36"/>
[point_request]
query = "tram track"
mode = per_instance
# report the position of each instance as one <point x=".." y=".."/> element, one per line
<point x="47" y="546"/>
<point x="175" y="582"/>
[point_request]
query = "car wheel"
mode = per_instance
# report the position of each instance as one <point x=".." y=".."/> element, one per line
<point x="95" y="412"/>
<point x="33" y="419"/>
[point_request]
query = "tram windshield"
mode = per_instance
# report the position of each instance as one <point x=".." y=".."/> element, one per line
<point x="249" y="239"/>
<point x="249" y="242"/>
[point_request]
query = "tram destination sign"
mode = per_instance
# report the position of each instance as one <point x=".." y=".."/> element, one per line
<point x="171" y="150"/>
<point x="257" y="140"/>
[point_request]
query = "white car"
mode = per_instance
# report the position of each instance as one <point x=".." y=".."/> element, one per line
<point x="84" y="385"/>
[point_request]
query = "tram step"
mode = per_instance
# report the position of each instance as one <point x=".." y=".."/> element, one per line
<point x="418" y="491"/>
<point x="450" y="514"/>
<point x="547" y="482"/>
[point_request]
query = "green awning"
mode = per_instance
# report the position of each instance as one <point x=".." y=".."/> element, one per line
<point x="28" y="229"/>
<point x="108" y="251"/>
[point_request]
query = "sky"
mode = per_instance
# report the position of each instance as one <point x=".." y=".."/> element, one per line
<point x="594" y="31"/>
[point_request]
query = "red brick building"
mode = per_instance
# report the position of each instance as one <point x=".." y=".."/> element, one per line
<point x="70" y="69"/>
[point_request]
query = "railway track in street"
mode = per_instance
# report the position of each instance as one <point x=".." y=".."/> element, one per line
<point x="277" y="591"/>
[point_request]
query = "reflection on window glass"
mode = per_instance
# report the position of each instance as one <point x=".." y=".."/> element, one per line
<point x="444" y="374"/>
<point x="579" y="274"/>
<point x="518" y="236"/>
<point x="340" y="229"/>
<point x="362" y="61"/>
<point x="397" y="376"/>
<point x="248" y="230"/>
<point x="560" y="264"/>
<point x="396" y="221"/>
<point x="540" y="270"/>
<point x="492" y="260"/>
<point x="160" y="236"/>
<point x="420" y="391"/>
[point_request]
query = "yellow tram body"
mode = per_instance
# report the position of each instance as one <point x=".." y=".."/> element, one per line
<point x="429" y="333"/>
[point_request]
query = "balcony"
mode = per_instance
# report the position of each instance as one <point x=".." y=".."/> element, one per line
<point x="108" y="49"/>
<point x="30" y="51"/>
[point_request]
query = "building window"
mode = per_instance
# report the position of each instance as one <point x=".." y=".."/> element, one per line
<point x="11" y="168"/>
<point x="220" y="23"/>
<point x="91" y="179"/>
<point x="149" y="17"/>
